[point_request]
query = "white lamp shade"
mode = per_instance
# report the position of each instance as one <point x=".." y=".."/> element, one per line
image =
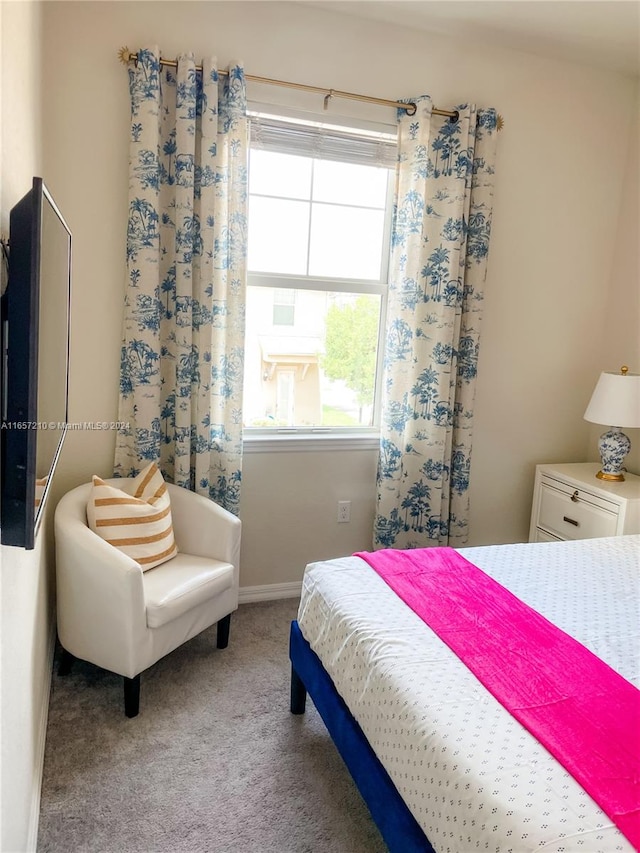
<point x="615" y="400"/>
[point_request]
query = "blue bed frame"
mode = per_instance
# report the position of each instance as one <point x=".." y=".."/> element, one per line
<point x="398" y="827"/>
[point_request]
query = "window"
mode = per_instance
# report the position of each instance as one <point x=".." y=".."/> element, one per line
<point x="319" y="223"/>
<point x="284" y="304"/>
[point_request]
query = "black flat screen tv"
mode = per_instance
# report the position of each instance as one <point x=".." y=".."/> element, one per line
<point x="35" y="311"/>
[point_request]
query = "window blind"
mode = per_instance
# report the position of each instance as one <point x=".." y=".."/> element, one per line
<point x="285" y="136"/>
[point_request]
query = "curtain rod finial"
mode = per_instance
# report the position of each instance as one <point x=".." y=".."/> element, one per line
<point x="500" y="122"/>
<point x="124" y="56"/>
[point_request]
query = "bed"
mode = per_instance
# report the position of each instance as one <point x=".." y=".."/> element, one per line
<point x="441" y="764"/>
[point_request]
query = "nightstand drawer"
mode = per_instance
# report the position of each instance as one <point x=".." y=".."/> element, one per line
<point x="575" y="514"/>
<point x="545" y="536"/>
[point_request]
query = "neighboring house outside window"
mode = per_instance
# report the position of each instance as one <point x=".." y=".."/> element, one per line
<point x="319" y="224"/>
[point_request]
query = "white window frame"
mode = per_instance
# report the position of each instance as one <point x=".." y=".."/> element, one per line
<point x="286" y="439"/>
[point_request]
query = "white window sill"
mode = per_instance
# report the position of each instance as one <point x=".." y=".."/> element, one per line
<point x="307" y="442"/>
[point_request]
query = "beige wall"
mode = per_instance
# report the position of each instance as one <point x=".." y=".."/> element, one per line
<point x="621" y="320"/>
<point x="561" y="168"/>
<point x="289" y="510"/>
<point x="26" y="634"/>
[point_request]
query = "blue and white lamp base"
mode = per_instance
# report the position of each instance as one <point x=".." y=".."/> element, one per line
<point x="613" y="446"/>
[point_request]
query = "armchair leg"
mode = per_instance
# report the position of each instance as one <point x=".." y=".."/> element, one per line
<point x="223" y="631"/>
<point x="66" y="662"/>
<point x="132" y="696"/>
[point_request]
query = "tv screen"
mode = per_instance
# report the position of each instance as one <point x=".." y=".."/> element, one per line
<point x="35" y="353"/>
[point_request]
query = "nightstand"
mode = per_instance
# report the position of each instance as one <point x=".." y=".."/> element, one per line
<point x="570" y="503"/>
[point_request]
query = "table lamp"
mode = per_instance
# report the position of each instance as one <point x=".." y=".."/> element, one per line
<point x="615" y="400"/>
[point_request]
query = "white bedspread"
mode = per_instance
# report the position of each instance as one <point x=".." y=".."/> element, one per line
<point x="472" y="776"/>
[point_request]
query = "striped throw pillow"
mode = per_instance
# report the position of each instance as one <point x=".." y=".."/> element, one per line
<point x="41" y="482"/>
<point x="137" y="523"/>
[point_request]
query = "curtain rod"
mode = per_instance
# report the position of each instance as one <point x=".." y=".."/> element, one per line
<point x="126" y="57"/>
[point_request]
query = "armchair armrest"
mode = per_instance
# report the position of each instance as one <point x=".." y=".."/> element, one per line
<point x="203" y="528"/>
<point x="97" y="587"/>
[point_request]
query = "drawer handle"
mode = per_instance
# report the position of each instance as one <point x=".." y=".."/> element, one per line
<point x="571" y="521"/>
<point x="574" y="497"/>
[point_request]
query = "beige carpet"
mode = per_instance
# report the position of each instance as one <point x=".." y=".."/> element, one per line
<point x="214" y="762"/>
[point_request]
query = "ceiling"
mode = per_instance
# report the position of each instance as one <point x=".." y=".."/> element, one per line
<point x="604" y="33"/>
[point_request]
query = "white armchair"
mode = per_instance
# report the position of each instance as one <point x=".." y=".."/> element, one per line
<point x="122" y="619"/>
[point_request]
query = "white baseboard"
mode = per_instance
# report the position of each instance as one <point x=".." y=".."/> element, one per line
<point x="34" y="817"/>
<point x="270" y="592"/>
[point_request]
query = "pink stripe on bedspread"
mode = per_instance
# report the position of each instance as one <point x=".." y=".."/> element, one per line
<point x="576" y="705"/>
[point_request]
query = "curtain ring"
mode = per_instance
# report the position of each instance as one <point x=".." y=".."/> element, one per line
<point x="411" y="109"/>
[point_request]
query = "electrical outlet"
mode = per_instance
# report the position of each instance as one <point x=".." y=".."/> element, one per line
<point x="344" y="511"/>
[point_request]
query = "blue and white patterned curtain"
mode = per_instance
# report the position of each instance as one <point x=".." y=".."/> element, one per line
<point x="184" y="319"/>
<point x="440" y="242"/>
